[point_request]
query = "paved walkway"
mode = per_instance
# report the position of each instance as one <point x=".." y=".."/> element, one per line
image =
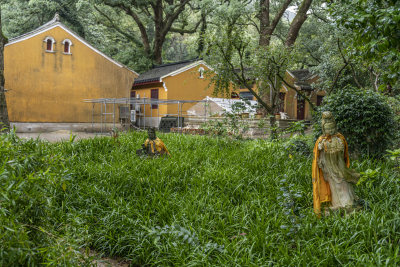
<point x="62" y="135"/>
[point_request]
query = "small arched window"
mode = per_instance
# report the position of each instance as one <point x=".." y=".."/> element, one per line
<point x="49" y="44"/>
<point x="67" y="46"/>
<point x="201" y="72"/>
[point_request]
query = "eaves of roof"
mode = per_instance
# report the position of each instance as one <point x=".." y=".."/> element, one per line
<point x="160" y="72"/>
<point x="146" y="81"/>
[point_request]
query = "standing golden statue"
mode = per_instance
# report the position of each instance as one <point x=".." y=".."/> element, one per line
<point x="332" y="179"/>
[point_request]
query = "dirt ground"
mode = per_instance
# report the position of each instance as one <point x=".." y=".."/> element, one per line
<point x="61" y="135"/>
<point x="99" y="261"/>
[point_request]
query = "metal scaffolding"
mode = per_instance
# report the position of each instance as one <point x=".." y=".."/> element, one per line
<point x="138" y="102"/>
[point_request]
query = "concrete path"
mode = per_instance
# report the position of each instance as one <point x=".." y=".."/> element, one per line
<point x="57" y="136"/>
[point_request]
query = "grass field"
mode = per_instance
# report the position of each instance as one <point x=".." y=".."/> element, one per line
<point x="215" y="202"/>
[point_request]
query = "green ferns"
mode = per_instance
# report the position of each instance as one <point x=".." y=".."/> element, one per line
<point x="215" y="202"/>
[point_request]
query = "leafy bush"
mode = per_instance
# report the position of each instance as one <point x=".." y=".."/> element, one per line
<point x="363" y="117"/>
<point x="231" y="124"/>
<point x="394" y="103"/>
<point x="298" y="145"/>
<point x="296" y="127"/>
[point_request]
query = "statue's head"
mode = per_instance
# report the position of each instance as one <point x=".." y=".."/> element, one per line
<point x="327" y="115"/>
<point x="151" y="133"/>
<point x="329" y="128"/>
<point x="328" y="123"/>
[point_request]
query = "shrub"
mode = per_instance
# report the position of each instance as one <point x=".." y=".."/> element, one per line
<point x="363" y="117"/>
<point x="298" y="145"/>
<point x="296" y="127"/>
<point x="394" y="103"/>
<point x="231" y="124"/>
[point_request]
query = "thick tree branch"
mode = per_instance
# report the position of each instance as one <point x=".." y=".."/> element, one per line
<point x="139" y="23"/>
<point x="182" y="31"/>
<point x="279" y="15"/>
<point x="346" y="61"/>
<point x="297" y="22"/>
<point x="337" y="77"/>
<point x="311" y="55"/>
<point x="267" y="28"/>
<point x="263" y="16"/>
<point x="170" y="20"/>
<point x="241" y="78"/>
<point x="355" y="77"/>
<point x="118" y="29"/>
<point x="320" y="17"/>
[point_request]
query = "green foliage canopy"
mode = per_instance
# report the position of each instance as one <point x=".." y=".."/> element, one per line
<point x="363" y="117"/>
<point x="375" y="31"/>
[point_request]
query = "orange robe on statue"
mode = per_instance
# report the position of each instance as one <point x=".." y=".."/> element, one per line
<point x="157" y="146"/>
<point x="321" y="189"/>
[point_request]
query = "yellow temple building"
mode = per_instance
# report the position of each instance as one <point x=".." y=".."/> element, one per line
<point x="51" y="70"/>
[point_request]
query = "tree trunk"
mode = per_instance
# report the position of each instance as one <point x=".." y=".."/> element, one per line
<point x="158" y="31"/>
<point x="273" y="127"/>
<point x="157" y="54"/>
<point x="265" y="34"/>
<point x="267" y="27"/>
<point x="200" y="47"/>
<point x="297" y="22"/>
<point x="4" y="121"/>
<point x="164" y="15"/>
<point x="264" y="40"/>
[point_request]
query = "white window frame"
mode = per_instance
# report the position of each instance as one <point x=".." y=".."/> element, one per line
<point x="69" y="47"/>
<point x="52" y="44"/>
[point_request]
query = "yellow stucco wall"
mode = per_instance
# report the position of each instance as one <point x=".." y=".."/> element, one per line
<point x="146" y="92"/>
<point x="50" y="87"/>
<point x="188" y="85"/>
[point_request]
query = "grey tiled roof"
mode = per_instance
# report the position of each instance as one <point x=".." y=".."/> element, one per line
<point x="301" y="75"/>
<point x="159" y="71"/>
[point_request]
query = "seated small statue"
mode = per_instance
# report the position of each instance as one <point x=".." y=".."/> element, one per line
<point x="153" y="146"/>
<point x="332" y="179"/>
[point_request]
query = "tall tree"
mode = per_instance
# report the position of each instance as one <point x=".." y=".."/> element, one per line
<point x="4" y="121"/>
<point x="375" y="35"/>
<point x="154" y="20"/>
<point x="237" y="57"/>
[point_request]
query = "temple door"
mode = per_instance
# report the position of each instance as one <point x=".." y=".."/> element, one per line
<point x="300" y="108"/>
<point x="154" y="95"/>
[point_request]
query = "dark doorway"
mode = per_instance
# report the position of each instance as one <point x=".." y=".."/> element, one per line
<point x="282" y="102"/>
<point x="300" y="108"/>
<point x="154" y="95"/>
<point x="319" y="99"/>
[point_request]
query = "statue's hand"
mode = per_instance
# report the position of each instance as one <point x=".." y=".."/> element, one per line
<point x="321" y="145"/>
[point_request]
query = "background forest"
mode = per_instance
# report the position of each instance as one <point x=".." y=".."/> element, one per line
<point x="344" y="42"/>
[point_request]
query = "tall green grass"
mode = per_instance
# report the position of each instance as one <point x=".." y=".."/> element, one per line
<point x="215" y="201"/>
